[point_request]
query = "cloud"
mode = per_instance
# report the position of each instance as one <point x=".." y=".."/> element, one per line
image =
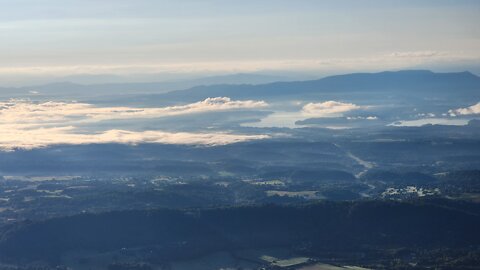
<point x="328" y="109"/>
<point x="368" y="62"/>
<point x="429" y="115"/>
<point x="19" y="111"/>
<point x="13" y="138"/>
<point x="418" y="54"/>
<point x="362" y="118"/>
<point x="28" y="125"/>
<point x="474" y="109"/>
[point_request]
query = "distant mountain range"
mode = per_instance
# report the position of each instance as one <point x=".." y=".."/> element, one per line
<point x="417" y="83"/>
<point x="409" y="81"/>
<point x="69" y="89"/>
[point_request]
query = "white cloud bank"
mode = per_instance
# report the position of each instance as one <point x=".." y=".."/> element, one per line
<point x="328" y="109"/>
<point x="474" y="109"/>
<point x="28" y="125"/>
<point x="15" y="137"/>
<point x="18" y="111"/>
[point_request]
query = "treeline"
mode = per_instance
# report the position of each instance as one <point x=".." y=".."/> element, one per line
<point x="318" y="226"/>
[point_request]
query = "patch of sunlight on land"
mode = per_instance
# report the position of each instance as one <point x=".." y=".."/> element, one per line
<point x="307" y="194"/>
<point x="284" y="263"/>
<point x="474" y="197"/>
<point x="322" y="266"/>
<point x="267" y="183"/>
<point x="291" y="262"/>
<point x="225" y="174"/>
<point x="267" y="258"/>
<point x="40" y="178"/>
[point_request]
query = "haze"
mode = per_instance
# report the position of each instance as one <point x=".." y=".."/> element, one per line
<point x="164" y="40"/>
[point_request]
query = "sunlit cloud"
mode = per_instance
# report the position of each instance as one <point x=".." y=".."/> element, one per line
<point x="474" y="109"/>
<point x="24" y="124"/>
<point x="14" y="138"/>
<point x="390" y="60"/>
<point x="21" y="111"/>
<point x="328" y="109"/>
<point x="362" y="118"/>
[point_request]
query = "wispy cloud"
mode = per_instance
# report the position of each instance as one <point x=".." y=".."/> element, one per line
<point x="418" y="54"/>
<point x="474" y="109"/>
<point x="25" y="124"/>
<point x="377" y="61"/>
<point x="328" y="108"/>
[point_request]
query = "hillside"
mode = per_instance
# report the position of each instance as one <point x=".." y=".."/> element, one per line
<point x="177" y="233"/>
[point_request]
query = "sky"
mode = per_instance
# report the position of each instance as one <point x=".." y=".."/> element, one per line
<point x="55" y="38"/>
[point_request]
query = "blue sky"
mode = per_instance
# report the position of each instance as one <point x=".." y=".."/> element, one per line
<point x="41" y="38"/>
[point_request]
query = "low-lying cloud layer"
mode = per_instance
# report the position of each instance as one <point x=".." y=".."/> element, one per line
<point x="474" y="109"/>
<point x="28" y="139"/>
<point x="25" y="124"/>
<point x="328" y="109"/>
<point x="18" y="111"/>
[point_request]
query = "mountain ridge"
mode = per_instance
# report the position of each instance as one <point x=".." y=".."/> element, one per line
<point x="416" y="83"/>
<point x="353" y="82"/>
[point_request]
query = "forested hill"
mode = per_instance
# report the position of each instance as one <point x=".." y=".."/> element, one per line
<point x="183" y="233"/>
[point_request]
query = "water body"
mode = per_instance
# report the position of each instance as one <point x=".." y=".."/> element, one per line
<point x="278" y="119"/>
<point x="287" y="120"/>
<point x="431" y="121"/>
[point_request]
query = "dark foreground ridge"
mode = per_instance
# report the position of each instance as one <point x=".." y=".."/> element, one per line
<point x="177" y="234"/>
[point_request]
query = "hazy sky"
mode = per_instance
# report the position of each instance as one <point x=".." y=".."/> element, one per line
<point x="62" y="37"/>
